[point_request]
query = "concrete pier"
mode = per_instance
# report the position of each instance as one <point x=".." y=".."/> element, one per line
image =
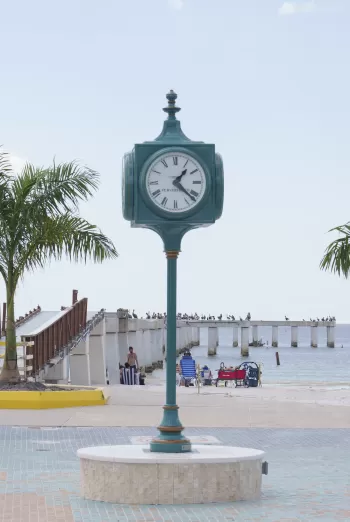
<point x="245" y="341"/>
<point x="275" y="336"/>
<point x="314" y="336"/>
<point x="294" y="336"/>
<point x="79" y="364"/>
<point x="330" y="336"/>
<point x="112" y="348"/>
<point x="235" y="336"/>
<point x="255" y="335"/>
<point x="122" y="336"/>
<point x="212" y="340"/>
<point x="97" y="340"/>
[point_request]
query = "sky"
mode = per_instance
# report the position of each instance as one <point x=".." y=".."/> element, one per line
<point x="267" y="81"/>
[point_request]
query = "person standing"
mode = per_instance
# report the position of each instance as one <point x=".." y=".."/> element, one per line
<point x="133" y="364"/>
<point x="132" y="358"/>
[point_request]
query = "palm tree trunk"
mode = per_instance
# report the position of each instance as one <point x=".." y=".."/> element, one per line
<point x="10" y="372"/>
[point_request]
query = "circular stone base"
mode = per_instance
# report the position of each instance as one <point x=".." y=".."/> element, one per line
<point x="135" y="475"/>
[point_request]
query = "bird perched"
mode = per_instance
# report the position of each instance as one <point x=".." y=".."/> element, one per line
<point x="134" y="315"/>
<point x="286" y="318"/>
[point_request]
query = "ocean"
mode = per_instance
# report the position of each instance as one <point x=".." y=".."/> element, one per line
<point x="301" y="365"/>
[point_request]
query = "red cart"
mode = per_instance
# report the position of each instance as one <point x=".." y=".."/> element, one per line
<point x="231" y="375"/>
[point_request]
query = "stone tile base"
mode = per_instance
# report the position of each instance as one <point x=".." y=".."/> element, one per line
<point x="154" y="483"/>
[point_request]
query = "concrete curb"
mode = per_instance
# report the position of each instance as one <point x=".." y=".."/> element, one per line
<point x="37" y="400"/>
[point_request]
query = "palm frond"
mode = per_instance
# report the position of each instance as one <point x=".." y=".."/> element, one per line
<point x="64" y="235"/>
<point x="336" y="258"/>
<point x="56" y="188"/>
<point x="5" y="164"/>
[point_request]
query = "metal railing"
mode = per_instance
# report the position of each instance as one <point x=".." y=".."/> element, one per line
<point x="50" y="342"/>
<point x="82" y="335"/>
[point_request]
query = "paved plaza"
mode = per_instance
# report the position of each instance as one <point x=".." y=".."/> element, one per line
<point x="309" y="477"/>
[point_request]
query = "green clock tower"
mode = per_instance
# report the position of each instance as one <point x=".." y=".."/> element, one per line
<point x="172" y="185"/>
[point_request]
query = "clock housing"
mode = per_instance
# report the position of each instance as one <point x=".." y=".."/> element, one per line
<point x="175" y="183"/>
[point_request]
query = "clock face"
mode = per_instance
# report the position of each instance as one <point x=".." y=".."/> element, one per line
<point x="175" y="182"/>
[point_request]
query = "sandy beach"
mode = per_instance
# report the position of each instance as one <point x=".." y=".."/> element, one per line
<point x="270" y="406"/>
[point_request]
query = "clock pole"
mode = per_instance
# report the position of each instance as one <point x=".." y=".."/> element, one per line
<point x="171" y="223"/>
<point x="170" y="438"/>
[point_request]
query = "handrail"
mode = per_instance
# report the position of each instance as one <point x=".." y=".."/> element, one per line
<point x="72" y="343"/>
<point x="49" y="342"/>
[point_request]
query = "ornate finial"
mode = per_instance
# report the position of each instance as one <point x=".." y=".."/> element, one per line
<point x="171" y="109"/>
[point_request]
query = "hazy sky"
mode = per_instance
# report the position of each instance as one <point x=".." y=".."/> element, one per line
<point x="267" y="81"/>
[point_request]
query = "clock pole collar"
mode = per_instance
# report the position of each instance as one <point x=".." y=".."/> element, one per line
<point x="171" y="109"/>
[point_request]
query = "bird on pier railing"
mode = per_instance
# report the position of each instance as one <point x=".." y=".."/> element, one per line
<point x="286" y="318"/>
<point x="134" y="315"/>
<point x="220" y="317"/>
<point x="148" y="315"/>
<point x="317" y="319"/>
<point x="240" y="318"/>
<point x="129" y="315"/>
<point x="248" y="318"/>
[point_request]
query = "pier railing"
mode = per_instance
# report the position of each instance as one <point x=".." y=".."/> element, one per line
<point x="49" y="342"/>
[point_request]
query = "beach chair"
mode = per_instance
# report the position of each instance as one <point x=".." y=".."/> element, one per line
<point x="188" y="370"/>
<point x="130" y="377"/>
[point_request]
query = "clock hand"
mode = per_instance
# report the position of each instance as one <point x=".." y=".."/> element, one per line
<point x="179" y="177"/>
<point x="178" y="185"/>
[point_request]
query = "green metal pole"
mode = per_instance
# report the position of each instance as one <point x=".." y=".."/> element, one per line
<point x="171" y="331"/>
<point x="170" y="438"/>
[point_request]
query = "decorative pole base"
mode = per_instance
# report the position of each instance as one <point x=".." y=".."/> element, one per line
<point x="170" y="439"/>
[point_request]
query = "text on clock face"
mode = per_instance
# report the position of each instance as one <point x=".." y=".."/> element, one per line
<point x="175" y="182"/>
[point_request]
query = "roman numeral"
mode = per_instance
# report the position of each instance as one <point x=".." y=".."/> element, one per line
<point x="156" y="182"/>
<point x="187" y="201"/>
<point x="193" y="171"/>
<point x="155" y="171"/>
<point x="164" y="202"/>
<point x="175" y="160"/>
<point x="156" y="193"/>
<point x="194" y="193"/>
<point x="194" y="182"/>
<point x="185" y="164"/>
<point x="175" y="203"/>
<point x="164" y="163"/>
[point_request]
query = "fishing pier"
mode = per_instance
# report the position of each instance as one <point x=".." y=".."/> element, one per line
<point x="245" y="326"/>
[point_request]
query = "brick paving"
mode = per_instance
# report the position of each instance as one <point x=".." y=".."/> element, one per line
<point x="309" y="477"/>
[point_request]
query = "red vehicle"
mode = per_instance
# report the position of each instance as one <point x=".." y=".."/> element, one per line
<point x="247" y="374"/>
<point x="231" y="375"/>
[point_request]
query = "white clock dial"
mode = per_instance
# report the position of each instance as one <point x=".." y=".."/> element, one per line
<point x="175" y="182"/>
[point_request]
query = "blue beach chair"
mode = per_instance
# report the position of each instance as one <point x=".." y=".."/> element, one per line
<point x="188" y="369"/>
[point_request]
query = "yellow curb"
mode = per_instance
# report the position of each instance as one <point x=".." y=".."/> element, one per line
<point x="36" y="400"/>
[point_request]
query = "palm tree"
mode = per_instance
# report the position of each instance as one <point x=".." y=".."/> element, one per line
<point x="39" y="221"/>
<point x="337" y="255"/>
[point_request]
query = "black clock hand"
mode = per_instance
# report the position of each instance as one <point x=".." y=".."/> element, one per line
<point x="180" y="187"/>
<point x="179" y="177"/>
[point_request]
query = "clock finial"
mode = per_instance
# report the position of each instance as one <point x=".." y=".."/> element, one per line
<point x="171" y="109"/>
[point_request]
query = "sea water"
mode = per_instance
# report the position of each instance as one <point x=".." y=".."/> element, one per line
<point x="298" y="365"/>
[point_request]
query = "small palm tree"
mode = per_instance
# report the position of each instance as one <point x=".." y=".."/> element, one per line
<point x="337" y="255"/>
<point x="39" y="221"/>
